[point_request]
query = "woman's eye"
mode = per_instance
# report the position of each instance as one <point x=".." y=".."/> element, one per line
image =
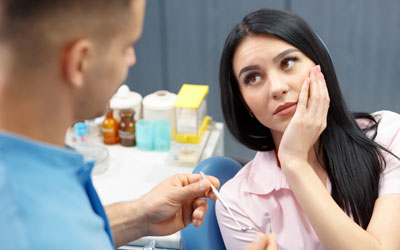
<point x="288" y="63"/>
<point x="253" y="78"/>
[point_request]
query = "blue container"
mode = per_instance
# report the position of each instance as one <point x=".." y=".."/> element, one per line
<point x="144" y="135"/>
<point x="162" y="136"/>
<point x="80" y="131"/>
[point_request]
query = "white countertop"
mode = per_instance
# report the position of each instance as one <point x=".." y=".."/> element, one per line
<point x="132" y="173"/>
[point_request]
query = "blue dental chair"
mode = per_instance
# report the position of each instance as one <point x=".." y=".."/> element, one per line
<point x="208" y="236"/>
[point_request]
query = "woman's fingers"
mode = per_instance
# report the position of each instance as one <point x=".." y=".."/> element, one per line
<point x="303" y="97"/>
<point x="315" y="91"/>
<point x="323" y="101"/>
<point x="318" y="102"/>
<point x="325" y="98"/>
<point x="325" y="93"/>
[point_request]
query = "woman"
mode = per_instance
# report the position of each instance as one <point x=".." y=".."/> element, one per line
<point x="323" y="178"/>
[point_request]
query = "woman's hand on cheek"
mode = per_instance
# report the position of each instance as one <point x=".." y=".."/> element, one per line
<point x="309" y="120"/>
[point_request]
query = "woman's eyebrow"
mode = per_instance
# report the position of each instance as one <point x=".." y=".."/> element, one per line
<point x="251" y="67"/>
<point x="275" y="59"/>
<point x="283" y="54"/>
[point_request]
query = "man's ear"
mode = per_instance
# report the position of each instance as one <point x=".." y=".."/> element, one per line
<point x="76" y="62"/>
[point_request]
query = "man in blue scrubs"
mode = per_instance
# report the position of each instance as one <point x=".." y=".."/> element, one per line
<point x="60" y="61"/>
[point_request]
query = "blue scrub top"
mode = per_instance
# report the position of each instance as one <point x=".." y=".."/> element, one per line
<point x="47" y="199"/>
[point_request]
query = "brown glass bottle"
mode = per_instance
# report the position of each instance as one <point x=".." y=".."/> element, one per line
<point x="127" y="128"/>
<point x="110" y="129"/>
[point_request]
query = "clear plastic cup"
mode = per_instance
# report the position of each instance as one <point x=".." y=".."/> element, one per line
<point x="162" y="136"/>
<point x="144" y="135"/>
<point x="94" y="152"/>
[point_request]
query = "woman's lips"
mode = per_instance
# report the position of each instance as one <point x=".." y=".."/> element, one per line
<point x="286" y="109"/>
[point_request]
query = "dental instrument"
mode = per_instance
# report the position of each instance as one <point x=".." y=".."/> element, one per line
<point x="215" y="191"/>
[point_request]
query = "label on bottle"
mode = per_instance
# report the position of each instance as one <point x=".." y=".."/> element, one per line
<point x="126" y="135"/>
<point x="108" y="130"/>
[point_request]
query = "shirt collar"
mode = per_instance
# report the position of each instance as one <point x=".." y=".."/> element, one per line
<point x="265" y="175"/>
<point x="12" y="144"/>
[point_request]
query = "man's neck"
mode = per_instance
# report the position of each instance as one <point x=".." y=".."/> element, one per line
<point x="43" y="116"/>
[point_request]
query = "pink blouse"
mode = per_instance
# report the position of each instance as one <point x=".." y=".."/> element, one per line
<point x="259" y="194"/>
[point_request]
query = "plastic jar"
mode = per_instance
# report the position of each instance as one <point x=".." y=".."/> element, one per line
<point x="126" y="99"/>
<point x="160" y="106"/>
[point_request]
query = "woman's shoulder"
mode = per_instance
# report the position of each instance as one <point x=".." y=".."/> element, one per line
<point x="386" y="116"/>
<point x="240" y="183"/>
<point x="388" y="128"/>
<point x="388" y="135"/>
<point x="239" y="180"/>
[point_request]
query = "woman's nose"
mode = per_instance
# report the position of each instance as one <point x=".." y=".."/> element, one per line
<point x="278" y="86"/>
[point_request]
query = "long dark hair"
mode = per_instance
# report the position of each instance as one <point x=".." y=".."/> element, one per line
<point x="352" y="161"/>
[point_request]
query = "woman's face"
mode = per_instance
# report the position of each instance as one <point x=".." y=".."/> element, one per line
<point x="270" y="73"/>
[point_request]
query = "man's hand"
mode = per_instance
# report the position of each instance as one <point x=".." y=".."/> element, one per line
<point x="176" y="202"/>
<point x="264" y="242"/>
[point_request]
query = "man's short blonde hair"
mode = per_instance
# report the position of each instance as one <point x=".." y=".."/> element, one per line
<point x="37" y="28"/>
